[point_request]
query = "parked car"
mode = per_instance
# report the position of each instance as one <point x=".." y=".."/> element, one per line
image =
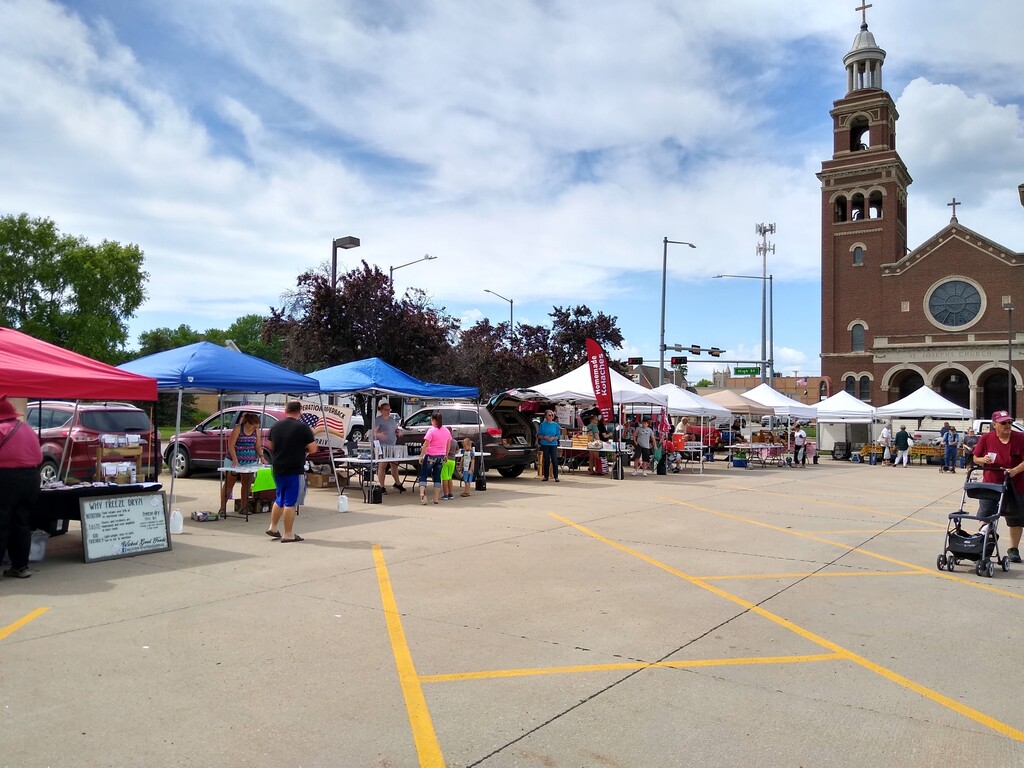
<point x="74" y="435"/>
<point x="509" y="435"/>
<point x="205" y="445"/>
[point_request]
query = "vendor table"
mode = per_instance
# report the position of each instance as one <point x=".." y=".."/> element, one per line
<point x="758" y="454"/>
<point x="56" y="506"/>
<point x="365" y="470"/>
<point x="264" y="481"/>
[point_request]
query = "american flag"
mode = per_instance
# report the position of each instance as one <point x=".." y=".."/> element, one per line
<point x="316" y="422"/>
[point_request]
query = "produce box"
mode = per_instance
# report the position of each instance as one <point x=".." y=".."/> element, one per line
<point x="320" y="481"/>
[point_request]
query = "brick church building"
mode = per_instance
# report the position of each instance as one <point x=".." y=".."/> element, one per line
<point x="895" y="319"/>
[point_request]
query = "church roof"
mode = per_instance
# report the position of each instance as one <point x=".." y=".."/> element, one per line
<point x="864" y="39"/>
<point x="954" y="231"/>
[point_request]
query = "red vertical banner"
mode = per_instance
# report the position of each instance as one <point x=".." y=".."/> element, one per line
<point x="600" y="378"/>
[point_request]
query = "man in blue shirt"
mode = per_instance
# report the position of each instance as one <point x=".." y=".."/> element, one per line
<point x="548" y="434"/>
<point x="951" y="442"/>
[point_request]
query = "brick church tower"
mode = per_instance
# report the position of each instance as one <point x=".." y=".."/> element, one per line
<point x="895" y="319"/>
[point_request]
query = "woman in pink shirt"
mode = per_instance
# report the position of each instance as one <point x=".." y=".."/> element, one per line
<point x="432" y="456"/>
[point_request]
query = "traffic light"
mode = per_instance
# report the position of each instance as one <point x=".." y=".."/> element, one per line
<point x="694" y="350"/>
<point x="715" y="352"/>
<point x="634" y="361"/>
<point x="678" y="361"/>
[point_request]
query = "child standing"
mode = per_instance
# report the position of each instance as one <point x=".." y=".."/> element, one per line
<point x="468" y="465"/>
<point x="448" y="472"/>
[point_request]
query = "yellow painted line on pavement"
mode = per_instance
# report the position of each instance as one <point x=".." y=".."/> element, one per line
<point x="928" y="693"/>
<point x="761" y="491"/>
<point x="866" y="552"/>
<point x="10" y="629"/>
<point x="820" y="575"/>
<point x="874" y="531"/>
<point x="627" y="666"/>
<point x="427" y="746"/>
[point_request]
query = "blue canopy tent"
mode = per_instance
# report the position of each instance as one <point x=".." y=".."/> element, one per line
<point x="206" y="367"/>
<point x="373" y="377"/>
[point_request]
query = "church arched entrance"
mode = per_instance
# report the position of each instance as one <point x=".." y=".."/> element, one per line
<point x="907" y="382"/>
<point x="993" y="392"/>
<point x="953" y="386"/>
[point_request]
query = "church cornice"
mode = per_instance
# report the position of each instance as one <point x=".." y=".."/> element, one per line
<point x="863" y="100"/>
<point x="954" y="231"/>
<point x="850" y="163"/>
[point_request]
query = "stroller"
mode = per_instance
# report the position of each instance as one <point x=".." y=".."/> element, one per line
<point x="981" y="548"/>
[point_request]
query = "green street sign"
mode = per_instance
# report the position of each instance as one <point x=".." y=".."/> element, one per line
<point x="755" y="371"/>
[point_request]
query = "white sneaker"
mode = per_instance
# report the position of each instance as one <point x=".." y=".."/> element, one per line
<point x="645" y="473"/>
<point x="633" y="473"/>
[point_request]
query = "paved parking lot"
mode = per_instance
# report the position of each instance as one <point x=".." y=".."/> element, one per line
<point x="772" y="617"/>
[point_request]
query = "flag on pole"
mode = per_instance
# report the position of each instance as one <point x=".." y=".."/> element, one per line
<point x="600" y="378"/>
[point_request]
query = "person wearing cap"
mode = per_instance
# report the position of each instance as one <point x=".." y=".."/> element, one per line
<point x="1001" y="454"/>
<point x="20" y="459"/>
<point x="902" y="442"/>
<point x="387" y="431"/>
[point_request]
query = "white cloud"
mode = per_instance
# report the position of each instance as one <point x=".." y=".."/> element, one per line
<point x="549" y="144"/>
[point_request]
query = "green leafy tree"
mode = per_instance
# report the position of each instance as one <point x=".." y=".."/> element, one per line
<point x="161" y="340"/>
<point x="247" y="333"/>
<point x="570" y="329"/>
<point x="67" y="291"/>
<point x="705" y="383"/>
<point x="321" y="325"/>
<point x="488" y="359"/>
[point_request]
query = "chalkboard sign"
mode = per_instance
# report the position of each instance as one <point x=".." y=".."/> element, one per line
<point x="124" y="525"/>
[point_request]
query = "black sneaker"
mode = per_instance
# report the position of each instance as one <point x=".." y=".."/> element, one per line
<point x="1013" y="555"/>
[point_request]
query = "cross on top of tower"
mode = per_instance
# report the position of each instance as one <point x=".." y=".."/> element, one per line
<point x="863" y="8"/>
<point x="954" y="204"/>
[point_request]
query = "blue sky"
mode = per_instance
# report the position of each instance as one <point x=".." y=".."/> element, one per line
<point x="541" y="148"/>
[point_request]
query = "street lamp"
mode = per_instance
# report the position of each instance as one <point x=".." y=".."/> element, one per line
<point x="510" y="305"/>
<point x="1008" y="306"/>
<point x="340" y="242"/>
<point x="391" y="270"/>
<point x="767" y="356"/>
<point x="661" y="337"/>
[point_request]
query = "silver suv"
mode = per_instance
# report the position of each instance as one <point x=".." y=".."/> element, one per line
<point x="509" y="437"/>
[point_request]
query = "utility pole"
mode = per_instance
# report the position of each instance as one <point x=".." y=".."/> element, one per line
<point x="763" y="249"/>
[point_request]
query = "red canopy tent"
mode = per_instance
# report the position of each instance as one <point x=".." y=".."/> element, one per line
<point x="33" y="368"/>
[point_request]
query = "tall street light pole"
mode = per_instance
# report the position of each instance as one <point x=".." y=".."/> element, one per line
<point x="391" y="270"/>
<point x="664" y="277"/>
<point x="768" y="363"/>
<point x="340" y="242"/>
<point x="1011" y="400"/>
<point x="510" y="305"/>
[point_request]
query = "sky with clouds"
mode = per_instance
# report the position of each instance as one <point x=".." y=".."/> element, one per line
<point x="541" y="149"/>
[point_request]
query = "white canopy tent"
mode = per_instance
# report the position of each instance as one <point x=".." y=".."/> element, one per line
<point x="783" y="406"/>
<point x="844" y="407"/>
<point x="921" y="404"/>
<point x="842" y="418"/>
<point x="739" y="404"/>
<point x="576" y="386"/>
<point x="682" y="402"/>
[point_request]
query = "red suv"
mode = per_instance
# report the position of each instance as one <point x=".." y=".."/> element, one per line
<point x="74" y="437"/>
<point x="205" y="445"/>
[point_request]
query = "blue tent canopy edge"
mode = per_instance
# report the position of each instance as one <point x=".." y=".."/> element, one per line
<point x="375" y="376"/>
